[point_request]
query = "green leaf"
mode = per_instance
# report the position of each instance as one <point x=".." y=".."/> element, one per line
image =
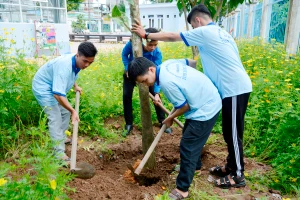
<point x="116" y="12"/>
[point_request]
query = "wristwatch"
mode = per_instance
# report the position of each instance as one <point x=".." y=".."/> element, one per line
<point x="146" y="37"/>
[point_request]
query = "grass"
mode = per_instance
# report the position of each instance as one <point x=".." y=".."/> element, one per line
<point x="271" y="129"/>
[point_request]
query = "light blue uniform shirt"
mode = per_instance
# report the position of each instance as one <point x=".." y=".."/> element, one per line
<point x="220" y="59"/>
<point x="55" y="77"/>
<point x="183" y="84"/>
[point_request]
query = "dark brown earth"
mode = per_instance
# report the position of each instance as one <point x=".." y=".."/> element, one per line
<point x="113" y="180"/>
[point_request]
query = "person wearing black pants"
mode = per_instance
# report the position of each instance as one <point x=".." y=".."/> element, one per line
<point x="128" y="87"/>
<point x="233" y="114"/>
<point x="152" y="53"/>
<point x="193" y="95"/>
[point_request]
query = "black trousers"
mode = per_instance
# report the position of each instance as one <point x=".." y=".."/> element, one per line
<point x="194" y="136"/>
<point x="128" y="87"/>
<point x="233" y="114"/>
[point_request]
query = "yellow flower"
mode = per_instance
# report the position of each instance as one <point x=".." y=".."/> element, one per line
<point x="56" y="198"/>
<point x="246" y="174"/>
<point x="13" y="41"/>
<point x="252" y="153"/>
<point x="81" y="141"/>
<point x="293" y="179"/>
<point x="2" y="181"/>
<point x="53" y="184"/>
<point x="6" y="33"/>
<point x="267" y="101"/>
<point x="297" y="89"/>
<point x="286" y="199"/>
<point x="292" y="161"/>
<point x="249" y="103"/>
<point x="287" y="80"/>
<point x="32" y="39"/>
<point x="68" y="133"/>
<point x="290" y="104"/>
<point x="18" y="97"/>
<point x="276" y="181"/>
<point x="1" y="91"/>
<point x="102" y="95"/>
<point x="252" y="77"/>
<point x="266" y="80"/>
<point x="12" y="29"/>
<point x="267" y="90"/>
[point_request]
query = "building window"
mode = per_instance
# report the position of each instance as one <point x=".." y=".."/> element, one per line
<point x="174" y="16"/>
<point x="167" y="16"/>
<point x="151" y="21"/>
<point x="144" y="16"/>
<point x="160" y="21"/>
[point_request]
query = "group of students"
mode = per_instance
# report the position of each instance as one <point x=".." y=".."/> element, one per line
<point x="200" y="97"/>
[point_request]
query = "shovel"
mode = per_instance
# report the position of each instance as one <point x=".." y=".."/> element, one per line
<point x="166" y="111"/>
<point x="83" y="170"/>
<point x="151" y="148"/>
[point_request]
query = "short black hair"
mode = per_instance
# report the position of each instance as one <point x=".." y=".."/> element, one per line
<point x="151" y="30"/>
<point x="199" y="9"/>
<point x="87" y="49"/>
<point x="139" y="67"/>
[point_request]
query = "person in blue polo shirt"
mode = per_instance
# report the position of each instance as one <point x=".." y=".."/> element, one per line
<point x="222" y="64"/>
<point x="153" y="53"/>
<point x="192" y="94"/>
<point x="50" y="86"/>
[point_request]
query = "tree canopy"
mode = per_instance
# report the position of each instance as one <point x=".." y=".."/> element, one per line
<point x="73" y="4"/>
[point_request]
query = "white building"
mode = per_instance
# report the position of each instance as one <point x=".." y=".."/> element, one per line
<point x="17" y="25"/>
<point x="163" y="16"/>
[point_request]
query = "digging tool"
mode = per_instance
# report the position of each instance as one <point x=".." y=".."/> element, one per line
<point x="151" y="148"/>
<point x="83" y="170"/>
<point x="166" y="111"/>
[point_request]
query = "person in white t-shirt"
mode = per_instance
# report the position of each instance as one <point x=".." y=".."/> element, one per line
<point x="222" y="64"/>
<point x="192" y="94"/>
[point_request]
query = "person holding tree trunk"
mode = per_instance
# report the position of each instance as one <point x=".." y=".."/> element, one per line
<point x="50" y="86"/>
<point x="152" y="53"/>
<point x="222" y="64"/>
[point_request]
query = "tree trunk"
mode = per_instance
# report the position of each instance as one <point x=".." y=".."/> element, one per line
<point x="218" y="10"/>
<point x="194" y="49"/>
<point x="250" y="21"/>
<point x="292" y="35"/>
<point x="263" y="24"/>
<point x="147" y="128"/>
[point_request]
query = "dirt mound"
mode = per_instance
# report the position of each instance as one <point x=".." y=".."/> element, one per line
<point x="113" y="180"/>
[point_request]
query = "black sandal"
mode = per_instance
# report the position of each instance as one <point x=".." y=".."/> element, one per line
<point x="225" y="182"/>
<point x="217" y="171"/>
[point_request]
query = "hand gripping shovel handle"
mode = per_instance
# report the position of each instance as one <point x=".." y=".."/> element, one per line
<point x="75" y="134"/>
<point x="166" y="111"/>
<point x="151" y="148"/>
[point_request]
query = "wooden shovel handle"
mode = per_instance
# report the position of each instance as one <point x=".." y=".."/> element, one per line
<point x="151" y="148"/>
<point x="166" y="111"/>
<point x="75" y="134"/>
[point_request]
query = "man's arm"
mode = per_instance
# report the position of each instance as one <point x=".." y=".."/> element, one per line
<point x="77" y="88"/>
<point x="168" y="37"/>
<point x="169" y="120"/>
<point x="65" y="103"/>
<point x="192" y="63"/>
<point x="127" y="50"/>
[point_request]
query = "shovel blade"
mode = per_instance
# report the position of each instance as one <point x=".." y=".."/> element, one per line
<point x="84" y="170"/>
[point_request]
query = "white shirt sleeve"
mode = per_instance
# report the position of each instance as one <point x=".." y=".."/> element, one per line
<point x="193" y="37"/>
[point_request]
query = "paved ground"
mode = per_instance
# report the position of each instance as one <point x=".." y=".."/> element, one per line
<point x="107" y="46"/>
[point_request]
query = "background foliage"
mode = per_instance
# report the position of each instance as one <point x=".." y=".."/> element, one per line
<point x="271" y="132"/>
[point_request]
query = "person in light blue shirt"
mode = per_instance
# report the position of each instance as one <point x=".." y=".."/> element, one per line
<point x="193" y="95"/>
<point x="50" y="86"/>
<point x="152" y="53"/>
<point x="222" y="64"/>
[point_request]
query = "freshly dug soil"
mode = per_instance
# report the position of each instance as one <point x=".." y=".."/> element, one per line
<point x="113" y="179"/>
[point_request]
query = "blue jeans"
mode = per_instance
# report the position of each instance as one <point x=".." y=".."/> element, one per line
<point x="58" y="123"/>
<point x="194" y="136"/>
